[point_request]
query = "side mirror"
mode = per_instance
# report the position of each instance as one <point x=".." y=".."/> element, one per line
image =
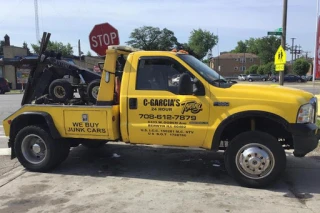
<point x="185" y="86"/>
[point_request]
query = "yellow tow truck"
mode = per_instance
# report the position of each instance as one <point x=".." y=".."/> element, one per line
<point x="141" y="104"/>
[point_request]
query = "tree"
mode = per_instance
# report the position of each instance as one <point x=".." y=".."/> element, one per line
<point x="152" y="38"/>
<point x="89" y="53"/>
<point x="264" y="47"/>
<point x="261" y="70"/>
<point x="25" y="45"/>
<point x="253" y="69"/>
<point x="240" y="48"/>
<point x="201" y="41"/>
<point x="301" y="66"/>
<point x="65" y="49"/>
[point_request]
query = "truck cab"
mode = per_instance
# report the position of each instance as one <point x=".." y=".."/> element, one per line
<point x="139" y="103"/>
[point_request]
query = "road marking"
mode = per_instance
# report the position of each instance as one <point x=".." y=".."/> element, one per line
<point x="5" y="151"/>
<point x="1" y="126"/>
<point x="3" y="136"/>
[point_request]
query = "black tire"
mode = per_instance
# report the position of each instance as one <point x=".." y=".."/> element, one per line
<point x="250" y="79"/>
<point x="265" y="141"/>
<point x="299" y="80"/>
<point x="56" y="150"/>
<point x="273" y="80"/>
<point x="1" y="91"/>
<point x="91" y="89"/>
<point x="60" y="90"/>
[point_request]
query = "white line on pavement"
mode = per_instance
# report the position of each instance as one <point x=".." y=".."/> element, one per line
<point x="1" y="126"/>
<point x="5" y="151"/>
<point x="3" y="136"/>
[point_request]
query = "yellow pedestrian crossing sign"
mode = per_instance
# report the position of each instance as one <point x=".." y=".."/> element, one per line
<point x="280" y="57"/>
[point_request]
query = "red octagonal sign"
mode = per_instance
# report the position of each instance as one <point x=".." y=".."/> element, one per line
<point x="101" y="36"/>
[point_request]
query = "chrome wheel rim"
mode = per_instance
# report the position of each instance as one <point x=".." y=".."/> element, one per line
<point x="34" y="149"/>
<point x="95" y="91"/>
<point x="255" y="161"/>
<point x="59" y="92"/>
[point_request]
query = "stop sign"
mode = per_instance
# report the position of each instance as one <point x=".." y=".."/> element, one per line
<point x="101" y="36"/>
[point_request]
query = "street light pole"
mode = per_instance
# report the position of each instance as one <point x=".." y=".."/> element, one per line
<point x="284" y="33"/>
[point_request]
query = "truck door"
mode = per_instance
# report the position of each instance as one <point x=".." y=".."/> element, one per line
<point x="156" y="113"/>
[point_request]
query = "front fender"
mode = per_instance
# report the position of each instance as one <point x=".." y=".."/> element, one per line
<point x="242" y="114"/>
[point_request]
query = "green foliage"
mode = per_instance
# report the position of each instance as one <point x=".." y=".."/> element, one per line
<point x="301" y="66"/>
<point x="201" y="41"/>
<point x="89" y="53"/>
<point x="240" y="48"/>
<point x="253" y="69"/>
<point x="152" y="38"/>
<point x="264" y="47"/>
<point x="65" y="49"/>
<point x="261" y="69"/>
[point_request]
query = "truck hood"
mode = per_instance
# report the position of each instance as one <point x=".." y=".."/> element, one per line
<point x="271" y="93"/>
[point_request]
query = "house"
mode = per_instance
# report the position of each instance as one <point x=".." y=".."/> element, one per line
<point x="233" y="64"/>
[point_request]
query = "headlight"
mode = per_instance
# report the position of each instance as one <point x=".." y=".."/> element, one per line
<point x="306" y="114"/>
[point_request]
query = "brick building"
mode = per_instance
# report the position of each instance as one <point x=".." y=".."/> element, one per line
<point x="233" y="64"/>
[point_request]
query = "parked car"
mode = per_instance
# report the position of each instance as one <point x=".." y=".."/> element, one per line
<point x="293" y="78"/>
<point x="242" y="77"/>
<point x="257" y="77"/>
<point x="288" y="78"/>
<point x="4" y="86"/>
<point x="307" y="77"/>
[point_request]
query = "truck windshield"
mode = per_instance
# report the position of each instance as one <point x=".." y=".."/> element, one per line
<point x="204" y="70"/>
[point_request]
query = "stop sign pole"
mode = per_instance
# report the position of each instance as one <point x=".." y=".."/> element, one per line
<point x="102" y="36"/>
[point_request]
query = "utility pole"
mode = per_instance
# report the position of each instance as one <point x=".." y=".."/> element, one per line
<point x="284" y="33"/>
<point x="36" y="17"/>
<point x="79" y="50"/>
<point x="292" y="50"/>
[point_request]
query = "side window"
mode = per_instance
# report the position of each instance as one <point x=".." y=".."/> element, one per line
<point x="159" y="73"/>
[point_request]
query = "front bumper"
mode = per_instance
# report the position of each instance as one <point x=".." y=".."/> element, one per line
<point x="305" y="138"/>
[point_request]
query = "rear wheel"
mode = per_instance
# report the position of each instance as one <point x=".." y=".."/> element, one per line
<point x="273" y="80"/>
<point x="255" y="159"/>
<point x="37" y="151"/>
<point x="250" y="79"/>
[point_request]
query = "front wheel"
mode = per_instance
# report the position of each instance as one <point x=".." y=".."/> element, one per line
<point x="250" y="79"/>
<point x="273" y="80"/>
<point x="255" y="159"/>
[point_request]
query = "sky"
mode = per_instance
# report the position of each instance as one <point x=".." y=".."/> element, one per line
<point x="231" y="20"/>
